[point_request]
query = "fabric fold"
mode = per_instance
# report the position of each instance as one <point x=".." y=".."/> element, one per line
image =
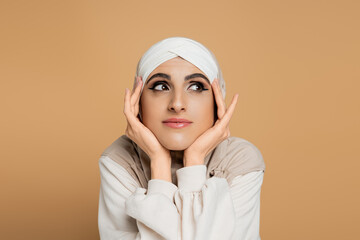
<point x="191" y="178"/>
<point x="161" y="186"/>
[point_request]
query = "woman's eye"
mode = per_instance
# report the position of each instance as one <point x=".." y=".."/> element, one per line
<point x="162" y="86"/>
<point x="197" y="87"/>
<point x="159" y="86"/>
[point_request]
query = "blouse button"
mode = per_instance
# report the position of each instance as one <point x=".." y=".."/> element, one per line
<point x="212" y="173"/>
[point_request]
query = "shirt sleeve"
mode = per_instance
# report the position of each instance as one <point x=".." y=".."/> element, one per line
<point x="210" y="209"/>
<point x="126" y="212"/>
<point x="245" y="191"/>
<point x="205" y="205"/>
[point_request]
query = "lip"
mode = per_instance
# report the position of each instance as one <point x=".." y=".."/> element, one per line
<point x="177" y="122"/>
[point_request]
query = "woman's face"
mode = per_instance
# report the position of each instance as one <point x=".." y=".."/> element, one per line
<point x="177" y="89"/>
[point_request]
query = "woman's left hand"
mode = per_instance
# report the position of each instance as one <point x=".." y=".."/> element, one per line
<point x="195" y="154"/>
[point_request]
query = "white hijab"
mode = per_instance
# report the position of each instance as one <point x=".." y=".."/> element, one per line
<point x="189" y="49"/>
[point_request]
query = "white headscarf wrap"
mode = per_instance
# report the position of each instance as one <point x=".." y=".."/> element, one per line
<point x="191" y="50"/>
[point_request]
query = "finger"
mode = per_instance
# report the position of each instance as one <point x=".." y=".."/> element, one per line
<point x="127" y="107"/>
<point x="132" y="95"/>
<point x="136" y="91"/>
<point x="221" y="107"/>
<point x="136" y="97"/>
<point x="221" y="101"/>
<point x="135" y="84"/>
<point x="229" y="112"/>
<point x="137" y="106"/>
<point x="130" y="117"/>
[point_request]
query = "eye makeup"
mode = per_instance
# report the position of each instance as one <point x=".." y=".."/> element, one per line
<point x="196" y="83"/>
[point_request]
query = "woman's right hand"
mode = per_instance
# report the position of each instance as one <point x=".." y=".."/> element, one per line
<point x="137" y="131"/>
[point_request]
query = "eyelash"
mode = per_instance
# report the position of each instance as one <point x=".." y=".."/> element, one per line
<point x="202" y="88"/>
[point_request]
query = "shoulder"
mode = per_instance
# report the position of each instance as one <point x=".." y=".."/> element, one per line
<point x="121" y="151"/>
<point x="120" y="144"/>
<point x="243" y="156"/>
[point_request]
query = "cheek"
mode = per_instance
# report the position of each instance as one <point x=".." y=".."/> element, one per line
<point x="203" y="110"/>
<point x="150" y="110"/>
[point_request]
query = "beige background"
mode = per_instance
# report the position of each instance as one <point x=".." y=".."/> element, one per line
<point x="64" y="66"/>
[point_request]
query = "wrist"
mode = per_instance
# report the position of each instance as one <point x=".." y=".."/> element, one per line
<point x="193" y="159"/>
<point x="161" y="168"/>
<point x="161" y="175"/>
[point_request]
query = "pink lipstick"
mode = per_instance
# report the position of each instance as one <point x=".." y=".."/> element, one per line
<point x="177" y="122"/>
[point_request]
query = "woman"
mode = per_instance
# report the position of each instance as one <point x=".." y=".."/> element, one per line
<point x="177" y="173"/>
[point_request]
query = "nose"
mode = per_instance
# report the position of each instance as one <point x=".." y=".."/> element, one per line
<point x="177" y="102"/>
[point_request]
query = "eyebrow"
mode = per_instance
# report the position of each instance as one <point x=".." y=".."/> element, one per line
<point x="188" y="77"/>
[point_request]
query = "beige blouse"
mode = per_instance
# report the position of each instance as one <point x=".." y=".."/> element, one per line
<point x="217" y="200"/>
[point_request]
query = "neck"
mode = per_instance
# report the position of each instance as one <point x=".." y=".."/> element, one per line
<point x="177" y="155"/>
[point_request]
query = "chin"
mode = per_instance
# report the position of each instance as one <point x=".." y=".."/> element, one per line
<point x="175" y="147"/>
<point x="178" y="142"/>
